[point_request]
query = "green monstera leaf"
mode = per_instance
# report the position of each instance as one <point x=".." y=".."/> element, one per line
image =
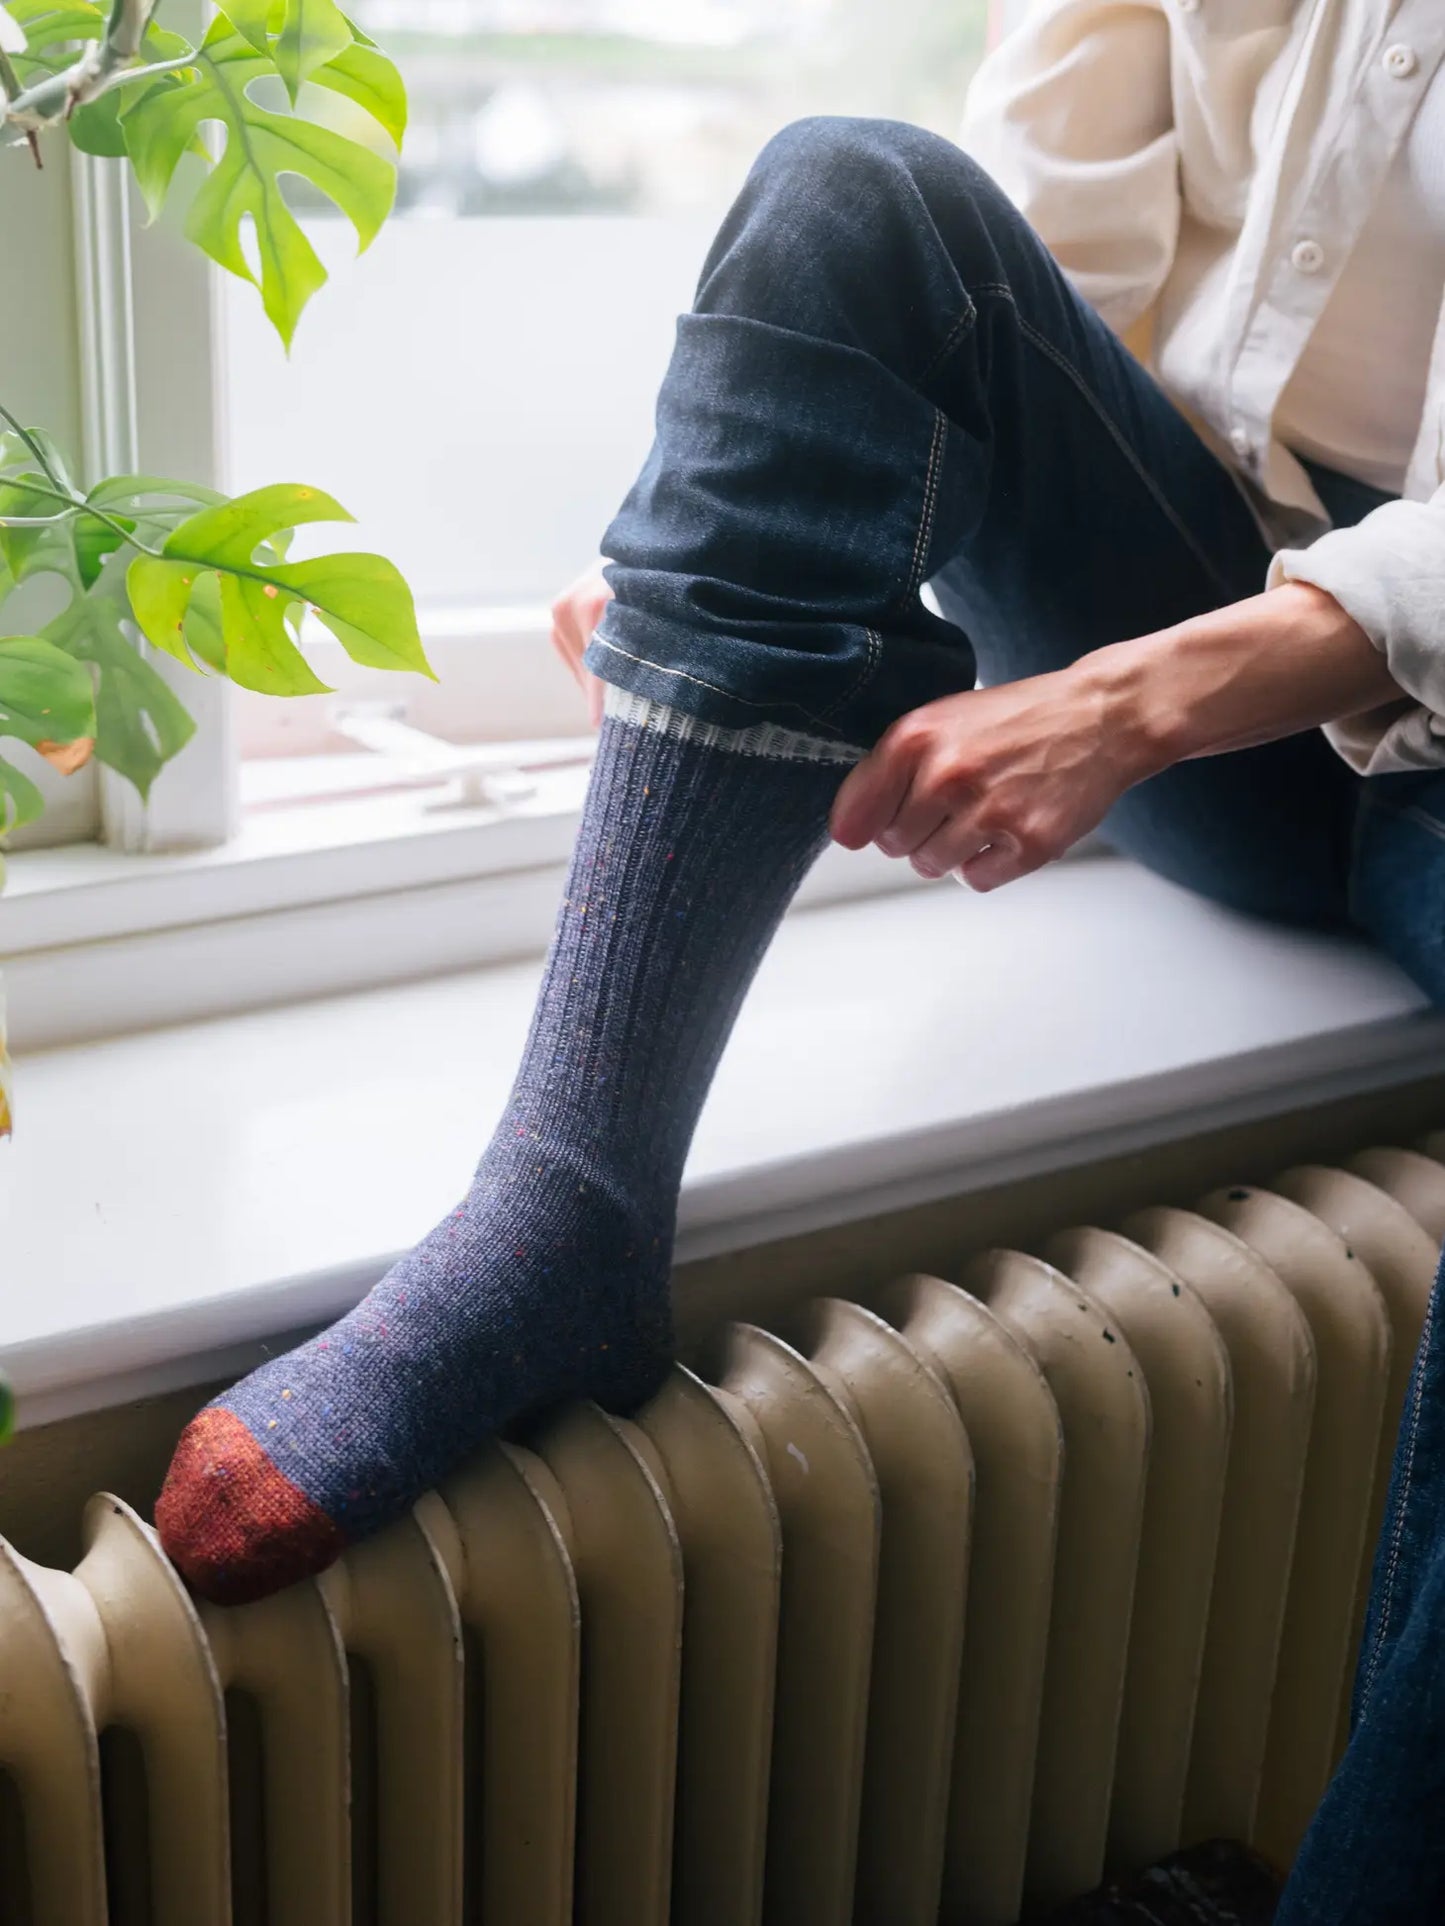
<point x="204" y="578"/>
<point x="48" y="527"/>
<point x="313" y="32"/>
<point x="260" y="146"/>
<point x="140" y="723"/>
<point x="53" y="30"/>
<point x="45" y="694"/>
<point x="20" y="801"/>
<point x="218" y="583"/>
<point x="364" y="74"/>
<point x="314" y="40"/>
<point x="46" y="700"/>
<point x="157" y="117"/>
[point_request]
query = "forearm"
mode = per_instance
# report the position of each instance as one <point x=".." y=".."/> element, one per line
<point x="1266" y="667"/>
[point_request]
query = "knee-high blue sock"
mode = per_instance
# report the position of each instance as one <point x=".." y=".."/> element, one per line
<point x="550" y="1280"/>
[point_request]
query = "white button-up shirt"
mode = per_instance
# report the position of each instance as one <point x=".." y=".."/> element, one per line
<point x="1201" y="170"/>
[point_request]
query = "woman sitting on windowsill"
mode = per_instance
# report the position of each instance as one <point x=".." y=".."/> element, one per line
<point x="1207" y="598"/>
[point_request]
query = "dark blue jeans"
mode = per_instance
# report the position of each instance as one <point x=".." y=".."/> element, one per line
<point x="885" y="381"/>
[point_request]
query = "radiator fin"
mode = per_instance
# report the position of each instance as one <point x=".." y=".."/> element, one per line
<point x="828" y="1504"/>
<point x="1013" y="1426"/>
<point x="1401" y="1258"/>
<point x="1099" y="1387"/>
<point x="1186" y="1369"/>
<point x="924" y="1467"/>
<point x="927" y="1607"/>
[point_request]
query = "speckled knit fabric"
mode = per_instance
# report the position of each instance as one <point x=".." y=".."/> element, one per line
<point x="550" y="1279"/>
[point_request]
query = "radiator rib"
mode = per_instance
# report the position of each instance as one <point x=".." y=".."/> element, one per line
<point x="1352" y="1341"/>
<point x="923" y="1608"/>
<point x="519" y="1607"/>
<point x="828" y="1504"/>
<point x="1271" y="1365"/>
<point x="1184" y="1365"/>
<point x="1012" y="1423"/>
<point x="1402" y="1260"/>
<point x="924" y="1467"/>
<point x="624" y="1548"/>
<point x="288" y="1657"/>
<point x="1102" y="1399"/>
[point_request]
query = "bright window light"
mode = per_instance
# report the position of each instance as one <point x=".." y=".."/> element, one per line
<point x="478" y="388"/>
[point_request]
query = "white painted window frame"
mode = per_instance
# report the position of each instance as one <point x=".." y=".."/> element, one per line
<point x="176" y="910"/>
<point x="146" y="304"/>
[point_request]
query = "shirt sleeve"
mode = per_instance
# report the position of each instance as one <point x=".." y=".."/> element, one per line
<point x="1388" y="572"/>
<point x="1072" y="115"/>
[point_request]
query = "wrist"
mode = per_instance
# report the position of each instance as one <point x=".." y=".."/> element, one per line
<point x="1248" y="673"/>
<point x="1131" y="688"/>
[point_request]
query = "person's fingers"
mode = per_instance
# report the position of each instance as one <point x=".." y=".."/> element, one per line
<point x="1002" y="862"/>
<point x="956" y="841"/>
<point x="570" y="655"/>
<point x="870" y="795"/>
<point x="575" y="614"/>
<point x="917" y="819"/>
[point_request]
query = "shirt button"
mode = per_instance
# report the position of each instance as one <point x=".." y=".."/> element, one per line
<point x="1189" y="6"/>
<point x="1401" y="61"/>
<point x="1240" y="442"/>
<point x="1307" y="256"/>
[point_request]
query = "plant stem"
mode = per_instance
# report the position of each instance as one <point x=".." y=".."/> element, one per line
<point x="57" y="491"/>
<point x="82" y="507"/>
<point x="56" y="481"/>
<point x="10" y="88"/>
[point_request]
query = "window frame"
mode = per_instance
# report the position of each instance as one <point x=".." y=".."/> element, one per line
<point x="179" y="909"/>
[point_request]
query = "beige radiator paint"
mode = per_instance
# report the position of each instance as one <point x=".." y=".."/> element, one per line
<point x="1103" y="1403"/>
<point x="1185" y="1368"/>
<point x="1402" y="1258"/>
<point x="1013" y="1427"/>
<point x="1273" y="1372"/>
<point x="922" y="1599"/>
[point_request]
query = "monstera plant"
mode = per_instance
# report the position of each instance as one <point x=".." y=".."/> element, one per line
<point x="146" y="562"/>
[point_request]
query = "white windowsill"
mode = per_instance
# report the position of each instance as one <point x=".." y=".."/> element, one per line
<point x="305" y="902"/>
<point x="174" y="1202"/>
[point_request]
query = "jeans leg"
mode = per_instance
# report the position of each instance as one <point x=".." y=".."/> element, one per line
<point x="886" y="379"/>
<point x="1375" y="1852"/>
<point x="1397" y="881"/>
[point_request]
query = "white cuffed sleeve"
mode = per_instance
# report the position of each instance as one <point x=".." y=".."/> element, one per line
<point x="1388" y="572"/>
<point x="1072" y="115"/>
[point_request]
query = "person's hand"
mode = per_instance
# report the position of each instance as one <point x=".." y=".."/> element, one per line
<point x="996" y="782"/>
<point x="575" y="614"/>
<point x="993" y="783"/>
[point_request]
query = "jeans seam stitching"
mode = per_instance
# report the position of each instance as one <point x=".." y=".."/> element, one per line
<point x="864" y="676"/>
<point x="930" y="499"/>
<point x="1397" y="1534"/>
<point x="683" y="675"/>
<point x="962" y="326"/>
<point x="951" y="340"/>
<point x="1121" y="441"/>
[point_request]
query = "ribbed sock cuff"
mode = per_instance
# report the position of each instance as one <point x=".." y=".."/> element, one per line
<point x="761" y="739"/>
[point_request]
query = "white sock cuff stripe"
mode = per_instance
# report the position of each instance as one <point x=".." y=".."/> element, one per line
<point x="760" y="739"/>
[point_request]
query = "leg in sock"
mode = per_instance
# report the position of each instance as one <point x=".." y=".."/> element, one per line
<point x="551" y="1278"/>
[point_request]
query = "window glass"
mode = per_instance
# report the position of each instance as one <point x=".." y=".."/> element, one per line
<point x="477" y="389"/>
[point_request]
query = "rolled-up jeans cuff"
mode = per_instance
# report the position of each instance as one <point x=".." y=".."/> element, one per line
<point x="662" y="664"/>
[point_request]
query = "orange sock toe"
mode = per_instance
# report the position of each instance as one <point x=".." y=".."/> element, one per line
<point x="233" y="1525"/>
